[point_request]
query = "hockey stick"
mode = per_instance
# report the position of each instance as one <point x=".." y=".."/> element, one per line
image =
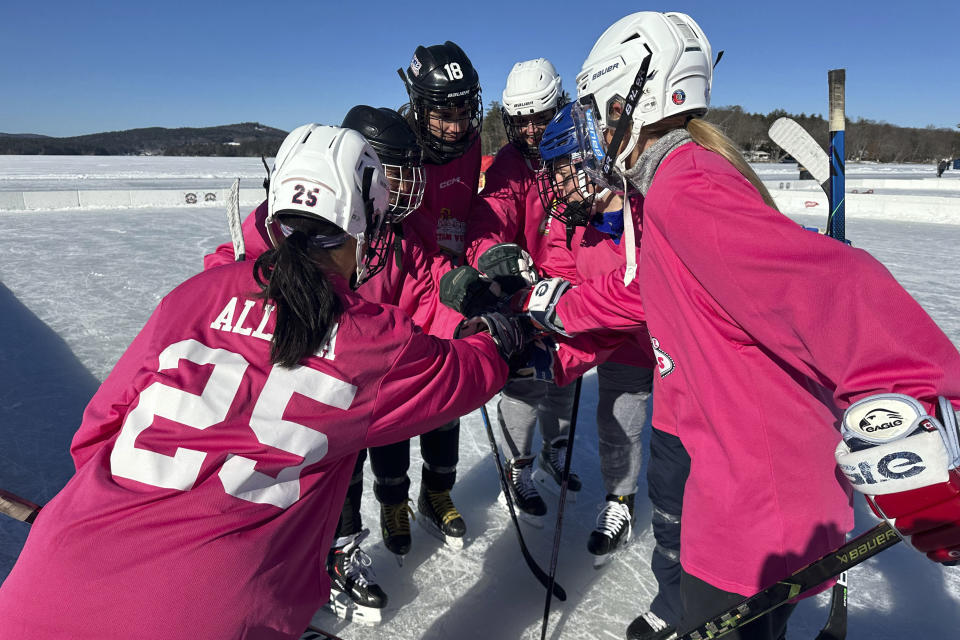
<point x="836" y="562"/>
<point x="233" y="221"/>
<point x="25" y="511"/>
<point x="837" y="80"/>
<point x="538" y="573"/>
<point x="18" y="508"/>
<point x="796" y="141"/>
<point x="564" y="479"/>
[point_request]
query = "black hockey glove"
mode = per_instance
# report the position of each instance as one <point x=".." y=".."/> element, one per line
<point x="509" y="265"/>
<point x="508" y="331"/>
<point x="469" y="292"/>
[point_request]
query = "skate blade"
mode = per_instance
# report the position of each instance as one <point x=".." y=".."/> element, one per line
<point x="599" y="562"/>
<point x="344" y="608"/>
<point x="545" y="480"/>
<point x="399" y="559"/>
<point x="432" y="529"/>
<point x="529" y="518"/>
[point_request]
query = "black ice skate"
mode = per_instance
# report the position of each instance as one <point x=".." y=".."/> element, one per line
<point x="354" y="592"/>
<point x="614" y="527"/>
<point x="650" y="626"/>
<point x="440" y="517"/>
<point x="549" y="469"/>
<point x="530" y="506"/>
<point x="395" y="528"/>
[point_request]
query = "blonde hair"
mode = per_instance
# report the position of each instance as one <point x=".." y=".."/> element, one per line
<point x="709" y="137"/>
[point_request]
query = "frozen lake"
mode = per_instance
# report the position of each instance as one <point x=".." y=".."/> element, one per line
<point x="78" y="284"/>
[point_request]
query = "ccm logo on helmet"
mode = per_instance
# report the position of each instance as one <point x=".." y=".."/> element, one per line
<point x="603" y="71"/>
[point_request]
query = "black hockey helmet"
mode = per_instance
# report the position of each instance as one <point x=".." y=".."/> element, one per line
<point x="441" y="78"/>
<point x="396" y="145"/>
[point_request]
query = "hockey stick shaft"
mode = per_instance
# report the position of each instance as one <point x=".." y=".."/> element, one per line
<point x="837" y="81"/>
<point x="18" y="508"/>
<point x="833" y="564"/>
<point x="538" y="573"/>
<point x="564" y="485"/>
<point x="22" y="509"/>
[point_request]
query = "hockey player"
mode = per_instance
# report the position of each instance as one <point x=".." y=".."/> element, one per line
<point x="587" y="241"/>
<point x="531" y="98"/>
<point x="445" y="113"/>
<point x="212" y="460"/>
<point x="751" y="379"/>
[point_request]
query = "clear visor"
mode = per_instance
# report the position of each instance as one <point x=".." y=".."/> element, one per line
<point x="593" y="145"/>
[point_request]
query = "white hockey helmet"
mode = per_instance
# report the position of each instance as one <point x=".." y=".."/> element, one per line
<point x="678" y="79"/>
<point x="533" y="87"/>
<point x="331" y="174"/>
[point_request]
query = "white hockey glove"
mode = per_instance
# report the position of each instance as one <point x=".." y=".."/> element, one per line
<point x="539" y="303"/>
<point x="906" y="463"/>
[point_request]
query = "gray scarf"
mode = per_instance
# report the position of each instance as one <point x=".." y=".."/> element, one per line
<point x="641" y="175"/>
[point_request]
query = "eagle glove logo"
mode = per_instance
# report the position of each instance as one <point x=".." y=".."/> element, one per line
<point x="665" y="363"/>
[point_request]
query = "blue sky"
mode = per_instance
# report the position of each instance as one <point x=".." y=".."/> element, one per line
<point x="71" y="68"/>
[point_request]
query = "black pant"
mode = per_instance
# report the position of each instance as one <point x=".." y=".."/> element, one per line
<point x="666" y="476"/>
<point x="701" y="600"/>
<point x="440" y="450"/>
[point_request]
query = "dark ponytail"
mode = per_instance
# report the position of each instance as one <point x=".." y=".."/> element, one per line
<point x="292" y="279"/>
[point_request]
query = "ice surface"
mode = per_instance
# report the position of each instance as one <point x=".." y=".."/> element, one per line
<point x="78" y="285"/>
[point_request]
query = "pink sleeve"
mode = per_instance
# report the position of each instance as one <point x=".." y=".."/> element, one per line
<point x="492" y="220"/>
<point x="560" y="261"/>
<point x="824" y="308"/>
<point x="602" y="303"/>
<point x="432" y="382"/>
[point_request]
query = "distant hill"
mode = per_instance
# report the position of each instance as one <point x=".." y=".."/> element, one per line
<point x="244" y="139"/>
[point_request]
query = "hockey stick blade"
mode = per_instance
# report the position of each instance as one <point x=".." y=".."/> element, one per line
<point x="17" y="507"/>
<point x="538" y="573"/>
<point x="795" y="140"/>
<point x="836" y="627"/>
<point x="316" y="633"/>
<point x="234" y="222"/>
<point x="833" y="564"/>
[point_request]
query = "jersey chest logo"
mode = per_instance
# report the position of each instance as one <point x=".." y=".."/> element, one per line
<point x="665" y="363"/>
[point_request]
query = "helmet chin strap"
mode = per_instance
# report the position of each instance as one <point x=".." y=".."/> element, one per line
<point x="625" y="119"/>
<point x="630" y="244"/>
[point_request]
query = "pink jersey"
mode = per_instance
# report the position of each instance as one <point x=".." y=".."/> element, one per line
<point x="406" y="281"/>
<point x="763" y="332"/>
<point x="209" y="482"/>
<point x="593" y="253"/>
<point x="514" y="212"/>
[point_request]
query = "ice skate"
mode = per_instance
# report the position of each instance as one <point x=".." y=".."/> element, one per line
<point x="530" y="507"/>
<point x="614" y="528"/>
<point x="354" y="592"/>
<point x="440" y="517"/>
<point x="395" y="528"/>
<point x="549" y="471"/>
<point x="650" y="626"/>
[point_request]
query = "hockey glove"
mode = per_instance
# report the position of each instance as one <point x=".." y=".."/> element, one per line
<point x="510" y="266"/>
<point x="906" y="463"/>
<point x="469" y="292"/>
<point x="539" y="303"/>
<point x="535" y="361"/>
<point x="508" y="331"/>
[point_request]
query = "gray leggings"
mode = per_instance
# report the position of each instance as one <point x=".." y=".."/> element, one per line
<point x="621" y="416"/>
<point x="524" y="402"/>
